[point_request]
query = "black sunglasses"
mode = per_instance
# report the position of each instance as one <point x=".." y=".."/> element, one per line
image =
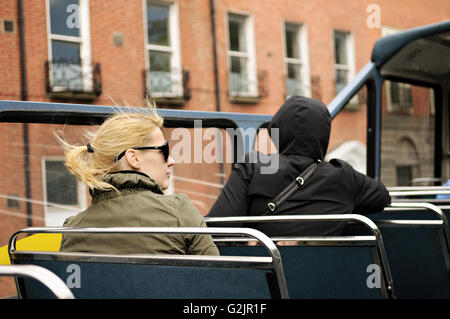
<point x="164" y="148"/>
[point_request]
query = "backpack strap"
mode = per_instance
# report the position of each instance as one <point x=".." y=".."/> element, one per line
<point x="295" y="185"/>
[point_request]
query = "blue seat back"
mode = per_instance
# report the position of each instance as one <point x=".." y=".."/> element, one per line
<point x="329" y="272"/>
<point x="158" y="276"/>
<point x="417" y="252"/>
<point x="134" y="281"/>
<point x="418" y="262"/>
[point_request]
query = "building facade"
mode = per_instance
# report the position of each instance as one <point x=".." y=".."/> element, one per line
<point x="210" y="55"/>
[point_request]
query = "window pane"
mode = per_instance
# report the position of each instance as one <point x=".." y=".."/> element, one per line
<point x="238" y="76"/>
<point x="159" y="61"/>
<point x="293" y="71"/>
<point x="407" y="138"/>
<point x="236" y="26"/>
<point x="400" y="96"/>
<point x="340" y="47"/>
<point x="61" y="185"/>
<point x="341" y="78"/>
<point x="160" y="72"/>
<point x="64" y="17"/>
<point x="68" y="52"/>
<point x="234" y="36"/>
<point x="66" y="65"/>
<point x="292" y="45"/>
<point x="293" y="80"/>
<point x="203" y="163"/>
<point x="158" y="24"/>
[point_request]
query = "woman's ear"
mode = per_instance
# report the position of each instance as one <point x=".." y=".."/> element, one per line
<point x="132" y="159"/>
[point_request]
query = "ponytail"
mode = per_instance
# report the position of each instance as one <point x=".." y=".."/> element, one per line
<point x="79" y="163"/>
<point x="118" y="133"/>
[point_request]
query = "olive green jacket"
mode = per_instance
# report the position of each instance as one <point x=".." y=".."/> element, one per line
<point x="140" y="203"/>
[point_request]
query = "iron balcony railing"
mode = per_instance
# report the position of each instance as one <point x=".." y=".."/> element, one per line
<point x="241" y="84"/>
<point x="172" y="83"/>
<point x="72" y="77"/>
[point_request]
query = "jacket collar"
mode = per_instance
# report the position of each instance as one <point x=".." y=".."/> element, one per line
<point x="126" y="182"/>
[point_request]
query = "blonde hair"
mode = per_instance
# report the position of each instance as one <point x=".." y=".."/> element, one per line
<point x="117" y="133"/>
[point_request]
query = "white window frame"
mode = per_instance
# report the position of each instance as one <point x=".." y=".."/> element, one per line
<point x="58" y="213"/>
<point x="174" y="49"/>
<point x="350" y="66"/>
<point x="84" y="40"/>
<point x="302" y="61"/>
<point x="392" y="107"/>
<point x="252" y="76"/>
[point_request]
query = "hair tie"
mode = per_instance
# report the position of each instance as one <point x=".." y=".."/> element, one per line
<point x="89" y="148"/>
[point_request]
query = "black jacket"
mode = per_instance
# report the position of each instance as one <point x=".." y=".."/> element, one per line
<point x="335" y="187"/>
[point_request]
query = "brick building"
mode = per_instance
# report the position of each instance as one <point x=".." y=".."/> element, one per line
<point x="226" y="55"/>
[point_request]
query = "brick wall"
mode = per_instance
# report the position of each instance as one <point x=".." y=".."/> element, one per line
<point x="122" y="66"/>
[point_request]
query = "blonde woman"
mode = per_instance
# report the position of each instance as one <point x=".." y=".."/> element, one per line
<point x="127" y="165"/>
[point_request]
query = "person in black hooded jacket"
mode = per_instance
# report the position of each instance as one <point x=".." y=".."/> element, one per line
<point x="304" y="126"/>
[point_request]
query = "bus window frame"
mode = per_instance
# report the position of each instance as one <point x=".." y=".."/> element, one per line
<point x="370" y="75"/>
<point x="438" y="118"/>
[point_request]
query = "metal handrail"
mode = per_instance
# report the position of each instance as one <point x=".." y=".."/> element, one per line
<point x="443" y="222"/>
<point x="426" y="206"/>
<point x="311" y="240"/>
<point x="44" y="276"/>
<point x="283" y="218"/>
<point x="253" y="233"/>
<point x="418" y="190"/>
<point x="419" y="180"/>
<point x="331" y="217"/>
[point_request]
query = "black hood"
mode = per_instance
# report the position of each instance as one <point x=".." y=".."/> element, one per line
<point x="304" y="127"/>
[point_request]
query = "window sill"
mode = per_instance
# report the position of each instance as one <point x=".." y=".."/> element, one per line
<point x="74" y="95"/>
<point x="169" y="101"/>
<point x="400" y="109"/>
<point x="244" y="99"/>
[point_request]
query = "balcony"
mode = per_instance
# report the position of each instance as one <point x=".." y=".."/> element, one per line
<point x="73" y="80"/>
<point x="300" y="86"/>
<point x="295" y="87"/>
<point x="243" y="89"/>
<point x="167" y="88"/>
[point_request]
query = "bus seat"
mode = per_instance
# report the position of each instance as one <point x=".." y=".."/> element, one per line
<point x="338" y="267"/>
<point x="416" y="244"/>
<point x="128" y="280"/>
<point x="336" y="271"/>
<point x="107" y="276"/>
